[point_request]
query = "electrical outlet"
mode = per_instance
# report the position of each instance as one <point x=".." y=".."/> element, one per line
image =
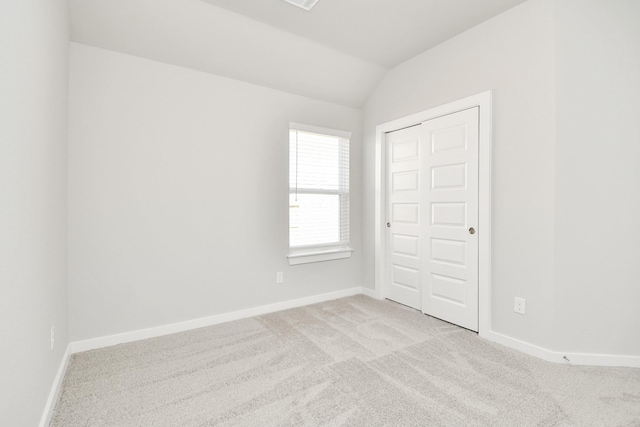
<point x="279" y="277"/>
<point x="519" y="305"/>
<point x="53" y="336"/>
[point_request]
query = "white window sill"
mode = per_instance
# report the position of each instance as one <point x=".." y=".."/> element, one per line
<point x="317" y="255"/>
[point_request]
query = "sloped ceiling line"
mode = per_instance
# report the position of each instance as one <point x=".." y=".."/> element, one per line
<point x="337" y="52"/>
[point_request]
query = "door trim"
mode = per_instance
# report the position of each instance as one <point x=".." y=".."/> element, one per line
<point x="483" y="101"/>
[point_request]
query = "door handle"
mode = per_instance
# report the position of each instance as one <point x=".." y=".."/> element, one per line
<point x="388" y="225"/>
<point x="472" y="230"/>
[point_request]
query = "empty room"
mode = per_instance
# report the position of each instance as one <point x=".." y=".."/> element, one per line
<point x="319" y="213"/>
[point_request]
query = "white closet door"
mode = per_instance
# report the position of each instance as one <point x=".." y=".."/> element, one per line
<point x="403" y="257"/>
<point x="449" y="211"/>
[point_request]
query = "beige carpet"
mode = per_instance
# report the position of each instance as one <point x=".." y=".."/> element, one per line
<point x="350" y="362"/>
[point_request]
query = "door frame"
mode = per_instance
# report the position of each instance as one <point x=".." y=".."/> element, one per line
<point x="483" y="101"/>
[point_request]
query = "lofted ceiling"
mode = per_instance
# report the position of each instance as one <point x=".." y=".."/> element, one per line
<point x="337" y="52"/>
<point x="383" y="32"/>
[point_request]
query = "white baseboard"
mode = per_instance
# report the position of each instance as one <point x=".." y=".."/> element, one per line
<point x="172" y="328"/>
<point x="514" y="343"/>
<point x="589" y="359"/>
<point x="568" y="358"/>
<point x="523" y="346"/>
<point x="55" y="389"/>
<point x="370" y="292"/>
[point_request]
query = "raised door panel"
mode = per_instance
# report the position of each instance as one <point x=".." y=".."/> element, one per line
<point x="450" y="181"/>
<point x="403" y="260"/>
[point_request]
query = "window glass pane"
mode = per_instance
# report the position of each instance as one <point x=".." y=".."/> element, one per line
<point x="319" y="188"/>
<point x="314" y="219"/>
<point x="314" y="161"/>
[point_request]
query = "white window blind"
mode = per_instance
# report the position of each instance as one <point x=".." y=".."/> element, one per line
<point x="318" y="188"/>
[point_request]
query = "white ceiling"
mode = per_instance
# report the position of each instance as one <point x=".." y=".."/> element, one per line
<point x="383" y="32"/>
<point x="336" y="52"/>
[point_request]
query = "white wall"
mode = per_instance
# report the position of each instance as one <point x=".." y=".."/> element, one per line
<point x="33" y="243"/>
<point x="512" y="55"/>
<point x="200" y="36"/>
<point x="566" y="181"/>
<point x="178" y="194"/>
<point x="597" y="243"/>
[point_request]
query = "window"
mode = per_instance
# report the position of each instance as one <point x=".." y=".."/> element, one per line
<point x="318" y="194"/>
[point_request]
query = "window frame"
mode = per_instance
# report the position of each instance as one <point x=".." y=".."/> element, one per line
<point x="321" y="252"/>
